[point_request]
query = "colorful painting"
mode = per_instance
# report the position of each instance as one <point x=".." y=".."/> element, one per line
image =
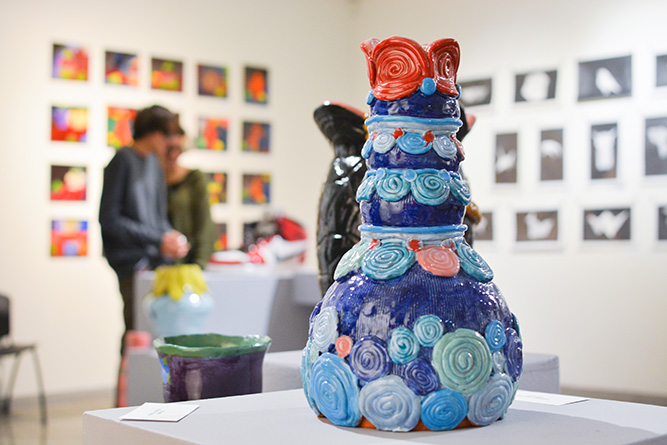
<point x="68" y="183"/>
<point x="212" y="134"/>
<point x="256" y="85"/>
<point x="121" y="68"/>
<point x="212" y="80"/>
<point x="256" y="189"/>
<point x="217" y="188"/>
<point x="70" y="62"/>
<point x="256" y="137"/>
<point x="166" y="75"/>
<point x="221" y="240"/>
<point x="120" y="125"/>
<point x="69" y="238"/>
<point x="69" y="124"/>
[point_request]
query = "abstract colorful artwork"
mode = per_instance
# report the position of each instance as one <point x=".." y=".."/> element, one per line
<point x="256" y="189"/>
<point x="217" y="188"/>
<point x="69" y="238"/>
<point x="221" y="240"/>
<point x="120" y="124"/>
<point x="256" y="85"/>
<point x="212" y="134"/>
<point x="166" y="75"/>
<point x="68" y="183"/>
<point x="121" y="68"/>
<point x="69" y="124"/>
<point x="70" y="62"/>
<point x="256" y="137"/>
<point x="212" y="80"/>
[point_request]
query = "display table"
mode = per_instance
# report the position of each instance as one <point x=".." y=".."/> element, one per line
<point x="250" y="300"/>
<point x="285" y="418"/>
<point x="282" y="370"/>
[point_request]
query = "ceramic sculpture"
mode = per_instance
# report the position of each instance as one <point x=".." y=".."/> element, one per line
<point x="413" y="333"/>
<point x="338" y="219"/>
<point x="179" y="302"/>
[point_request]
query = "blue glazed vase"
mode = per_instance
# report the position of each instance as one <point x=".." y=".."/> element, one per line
<point x="413" y="334"/>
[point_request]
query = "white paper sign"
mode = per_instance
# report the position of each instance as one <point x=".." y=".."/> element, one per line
<point x="160" y="412"/>
<point x="546" y="398"/>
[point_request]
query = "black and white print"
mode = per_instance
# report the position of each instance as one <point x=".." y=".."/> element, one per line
<point x="604" y="151"/>
<point x="606" y="78"/>
<point x="483" y="231"/>
<point x="537" y="226"/>
<point x="536" y="86"/>
<point x="476" y="92"/>
<point x="607" y="224"/>
<point x="506" y="158"/>
<point x="661" y="71"/>
<point x="551" y="155"/>
<point x="655" y="148"/>
<point x="662" y="223"/>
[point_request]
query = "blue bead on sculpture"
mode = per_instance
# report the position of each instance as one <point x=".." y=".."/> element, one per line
<point x="413" y="334"/>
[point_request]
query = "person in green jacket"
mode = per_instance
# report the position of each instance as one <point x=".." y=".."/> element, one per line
<point x="188" y="207"/>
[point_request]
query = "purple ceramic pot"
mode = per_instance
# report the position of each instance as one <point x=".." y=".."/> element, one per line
<point x="205" y="366"/>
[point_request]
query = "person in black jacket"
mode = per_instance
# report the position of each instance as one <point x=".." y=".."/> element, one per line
<point x="136" y="233"/>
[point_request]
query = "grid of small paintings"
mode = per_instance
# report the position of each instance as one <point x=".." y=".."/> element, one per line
<point x="70" y="124"/>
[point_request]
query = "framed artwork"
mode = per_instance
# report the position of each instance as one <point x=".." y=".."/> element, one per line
<point x="483" y="231"/>
<point x="537" y="226"/>
<point x="217" y="188"/>
<point x="212" y="134"/>
<point x="607" y="224"/>
<point x="69" y="238"/>
<point x="607" y="78"/>
<point x="536" y="86"/>
<point x="506" y="158"/>
<point x="212" y="80"/>
<point x="604" y="151"/>
<point x="256" y="85"/>
<point x="661" y="71"/>
<point x="221" y="239"/>
<point x="476" y="92"/>
<point x="655" y="146"/>
<point x="120" y="125"/>
<point x="256" y="137"/>
<point x="166" y="75"/>
<point x="256" y="189"/>
<point x="662" y="223"/>
<point x="69" y="62"/>
<point x="69" y="124"/>
<point x="68" y="183"/>
<point x="551" y="155"/>
<point x="121" y="68"/>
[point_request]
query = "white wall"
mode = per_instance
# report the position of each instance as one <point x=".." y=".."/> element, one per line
<point x="600" y="308"/>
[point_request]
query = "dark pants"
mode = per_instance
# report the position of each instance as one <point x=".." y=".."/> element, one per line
<point x="126" y="285"/>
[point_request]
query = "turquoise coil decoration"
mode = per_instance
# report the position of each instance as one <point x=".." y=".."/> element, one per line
<point x="472" y="263"/>
<point x="413" y="143"/>
<point x="403" y="345"/>
<point x="391" y="187"/>
<point x="389" y="260"/>
<point x="495" y="335"/>
<point x="389" y="404"/>
<point x="444" y="146"/>
<point x="489" y="404"/>
<point x="514" y="353"/>
<point x="443" y="410"/>
<point x="463" y="361"/>
<point x="335" y="391"/>
<point x="351" y="260"/>
<point x="428" y="330"/>
<point x="430" y="189"/>
<point x="325" y="329"/>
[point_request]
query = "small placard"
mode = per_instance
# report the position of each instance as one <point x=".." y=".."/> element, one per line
<point x="546" y="398"/>
<point x="160" y="412"/>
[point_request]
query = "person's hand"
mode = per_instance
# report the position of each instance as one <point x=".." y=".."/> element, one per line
<point x="174" y="245"/>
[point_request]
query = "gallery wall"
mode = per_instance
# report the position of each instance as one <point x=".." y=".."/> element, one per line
<point x="597" y="304"/>
<point x="70" y="305"/>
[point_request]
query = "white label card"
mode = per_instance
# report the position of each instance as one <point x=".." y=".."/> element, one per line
<point x="546" y="398"/>
<point x="160" y="412"/>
